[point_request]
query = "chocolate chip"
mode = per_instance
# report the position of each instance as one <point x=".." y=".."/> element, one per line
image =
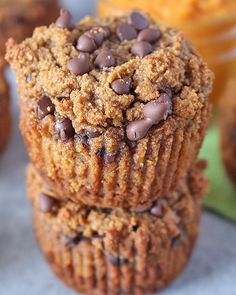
<point x="98" y="34"/>
<point x="44" y="107"/>
<point x="105" y="59"/>
<point x="115" y="260"/>
<point x="141" y="48"/>
<point x="159" y="109"/>
<point x="126" y="32"/>
<point x="84" y="138"/>
<point x="86" y="44"/>
<point x="149" y="35"/>
<point x="65" y="129"/>
<point x="138" y="129"/>
<point x="79" y="65"/>
<point x="106" y="210"/>
<point x="17" y="19"/>
<point x="46" y="203"/>
<point x="64" y="20"/>
<point x="122" y="86"/>
<point x="157" y="209"/>
<point x="75" y="240"/>
<point x="110" y="158"/>
<point x="92" y="134"/>
<point x="138" y="21"/>
<point x="101" y="153"/>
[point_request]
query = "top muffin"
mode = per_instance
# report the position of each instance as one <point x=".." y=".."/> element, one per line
<point x="110" y="85"/>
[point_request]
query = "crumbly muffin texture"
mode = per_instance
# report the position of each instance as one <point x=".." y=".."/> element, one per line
<point x="115" y="251"/>
<point x="5" y="121"/>
<point x="113" y="110"/>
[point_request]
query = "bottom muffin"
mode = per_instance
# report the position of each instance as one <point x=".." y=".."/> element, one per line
<point x="5" y="121"/>
<point x="115" y="251"/>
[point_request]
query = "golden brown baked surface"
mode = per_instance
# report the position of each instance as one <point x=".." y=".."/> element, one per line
<point x="105" y="251"/>
<point x="111" y="120"/>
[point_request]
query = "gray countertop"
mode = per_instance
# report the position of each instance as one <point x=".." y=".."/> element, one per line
<point x="212" y="269"/>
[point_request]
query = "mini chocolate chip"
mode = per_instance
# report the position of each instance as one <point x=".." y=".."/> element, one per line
<point x="106" y="210"/>
<point x="105" y="59"/>
<point x="122" y="86"/>
<point x="101" y="153"/>
<point x="84" y="138"/>
<point x="86" y="44"/>
<point x="79" y="65"/>
<point x="149" y="35"/>
<point x="44" y="107"/>
<point x="64" y="20"/>
<point x="157" y="209"/>
<point x="138" y="129"/>
<point x="126" y="32"/>
<point x="138" y="21"/>
<point x="98" y="34"/>
<point x="46" y="202"/>
<point x="65" y="129"/>
<point x="17" y="19"/>
<point x="28" y="78"/>
<point x="159" y="109"/>
<point x="75" y="240"/>
<point x="110" y="158"/>
<point x="92" y="134"/>
<point x="115" y="260"/>
<point x="141" y="49"/>
<point x="135" y="228"/>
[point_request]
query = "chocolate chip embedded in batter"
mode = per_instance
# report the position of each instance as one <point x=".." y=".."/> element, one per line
<point x="122" y="86"/>
<point x="79" y="65"/>
<point x="115" y="260"/>
<point x="138" y="21"/>
<point x="149" y="35"/>
<point x="86" y="44"/>
<point x="109" y="158"/>
<point x="105" y="59"/>
<point x="46" y="203"/>
<point x="126" y="32"/>
<point x="75" y="240"/>
<point x="141" y="49"/>
<point x="98" y="34"/>
<point x="44" y="107"/>
<point x="65" y="129"/>
<point x="157" y="209"/>
<point x="64" y="20"/>
<point x="159" y="109"/>
<point x="138" y="129"/>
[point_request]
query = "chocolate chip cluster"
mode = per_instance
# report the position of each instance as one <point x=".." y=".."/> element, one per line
<point x="136" y="27"/>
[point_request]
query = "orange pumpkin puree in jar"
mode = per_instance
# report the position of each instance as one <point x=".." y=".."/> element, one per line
<point x="209" y="24"/>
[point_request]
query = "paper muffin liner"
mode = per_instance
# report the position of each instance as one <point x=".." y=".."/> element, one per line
<point x="133" y="177"/>
<point x="5" y="118"/>
<point x="104" y="251"/>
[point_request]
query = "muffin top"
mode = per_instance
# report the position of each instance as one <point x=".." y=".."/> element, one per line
<point x="128" y="72"/>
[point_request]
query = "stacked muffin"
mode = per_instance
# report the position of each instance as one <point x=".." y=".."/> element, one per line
<point x="18" y="19"/>
<point x="113" y="113"/>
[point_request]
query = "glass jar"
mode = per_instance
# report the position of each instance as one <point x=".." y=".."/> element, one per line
<point x="209" y="24"/>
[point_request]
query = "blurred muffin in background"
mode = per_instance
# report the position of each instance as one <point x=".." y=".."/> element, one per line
<point x="209" y="24"/>
<point x="19" y="18"/>
<point x="227" y="122"/>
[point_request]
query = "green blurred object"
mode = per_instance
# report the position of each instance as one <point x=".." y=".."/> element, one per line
<point x="222" y="195"/>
